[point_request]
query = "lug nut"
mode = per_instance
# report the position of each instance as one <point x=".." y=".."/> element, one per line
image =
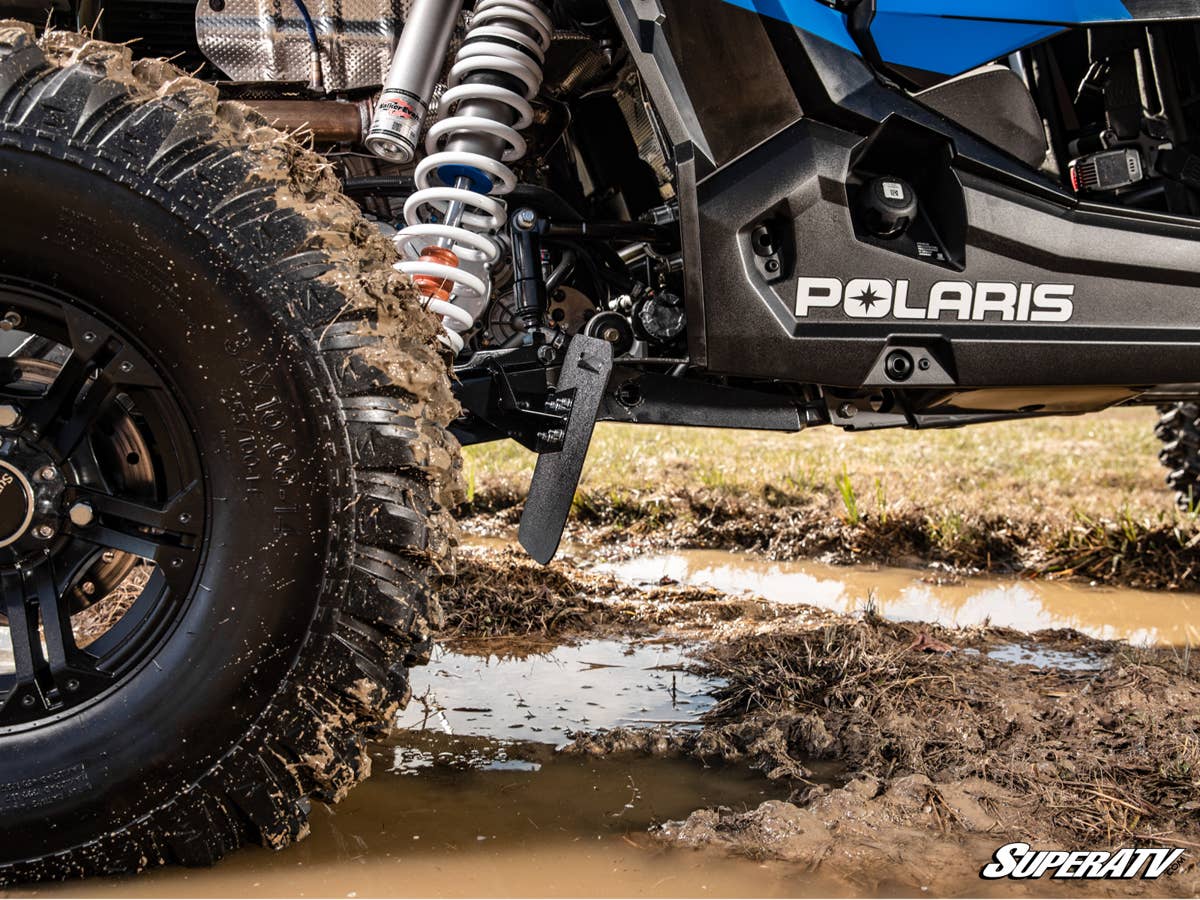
<point x="82" y="514"/>
<point x="44" y="532"/>
<point x="10" y="416"/>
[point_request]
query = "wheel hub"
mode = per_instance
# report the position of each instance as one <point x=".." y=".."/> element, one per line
<point x="16" y="504"/>
<point x="31" y="489"/>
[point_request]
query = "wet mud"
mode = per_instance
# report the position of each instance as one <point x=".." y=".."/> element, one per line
<point x="702" y="723"/>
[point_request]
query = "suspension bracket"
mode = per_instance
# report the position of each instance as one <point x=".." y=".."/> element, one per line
<point x="581" y="387"/>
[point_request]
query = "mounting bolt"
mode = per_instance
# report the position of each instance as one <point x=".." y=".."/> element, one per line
<point x="82" y="514"/>
<point x="47" y="473"/>
<point x="28" y="700"/>
<point x="89" y="336"/>
<point x="552" y="436"/>
<point x="546" y="354"/>
<point x="525" y="219"/>
<point x="44" y="532"/>
<point x="72" y="684"/>
<point x="126" y="367"/>
<point x="10" y="321"/>
<point x="88" y="587"/>
<point x="10" y="416"/>
<point x="184" y="518"/>
<point x="847" y="411"/>
<point x="559" y="405"/>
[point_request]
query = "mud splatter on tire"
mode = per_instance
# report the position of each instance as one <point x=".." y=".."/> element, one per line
<point x="376" y="391"/>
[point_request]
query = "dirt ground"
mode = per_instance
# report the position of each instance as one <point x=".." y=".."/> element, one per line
<point x="945" y="747"/>
<point x="941" y="750"/>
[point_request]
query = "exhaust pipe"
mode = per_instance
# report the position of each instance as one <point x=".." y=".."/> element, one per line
<point x="330" y="121"/>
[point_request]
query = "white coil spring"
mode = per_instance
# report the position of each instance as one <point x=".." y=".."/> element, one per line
<point x="470" y="238"/>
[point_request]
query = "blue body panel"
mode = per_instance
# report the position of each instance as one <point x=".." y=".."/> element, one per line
<point x="946" y="36"/>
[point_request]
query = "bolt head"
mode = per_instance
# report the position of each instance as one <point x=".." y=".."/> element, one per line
<point x="82" y="514"/>
<point x="44" y="532"/>
<point x="10" y="416"/>
<point x="847" y="410"/>
<point x="28" y="700"/>
<point x="47" y="473"/>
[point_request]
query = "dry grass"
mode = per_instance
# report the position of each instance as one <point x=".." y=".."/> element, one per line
<point x="93" y="622"/>
<point x="1077" y="496"/>
<point x="1049" y="468"/>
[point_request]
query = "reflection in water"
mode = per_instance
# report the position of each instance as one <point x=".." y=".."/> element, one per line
<point x="1047" y="658"/>
<point x="1141" y="617"/>
<point x="544" y="697"/>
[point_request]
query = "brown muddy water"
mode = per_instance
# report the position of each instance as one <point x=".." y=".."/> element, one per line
<point x="471" y="798"/>
<point x="1138" y="617"/>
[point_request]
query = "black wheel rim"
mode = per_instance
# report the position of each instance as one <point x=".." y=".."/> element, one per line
<point x="99" y="474"/>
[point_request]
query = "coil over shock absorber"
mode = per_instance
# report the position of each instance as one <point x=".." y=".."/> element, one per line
<point x="449" y="243"/>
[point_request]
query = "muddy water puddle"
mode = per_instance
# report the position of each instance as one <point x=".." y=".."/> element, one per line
<point x="458" y="827"/>
<point x="471" y="797"/>
<point x="545" y="693"/>
<point x="1140" y="617"/>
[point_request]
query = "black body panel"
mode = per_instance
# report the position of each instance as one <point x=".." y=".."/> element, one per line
<point x="1131" y="279"/>
<point x="1136" y="302"/>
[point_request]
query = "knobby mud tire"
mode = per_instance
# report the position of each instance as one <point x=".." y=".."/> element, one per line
<point x="302" y="305"/>
<point x="1179" y="430"/>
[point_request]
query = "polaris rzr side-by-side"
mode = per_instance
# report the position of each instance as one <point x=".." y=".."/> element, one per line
<point x="266" y="264"/>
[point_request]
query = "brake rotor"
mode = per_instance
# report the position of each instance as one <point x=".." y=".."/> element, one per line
<point x="567" y="308"/>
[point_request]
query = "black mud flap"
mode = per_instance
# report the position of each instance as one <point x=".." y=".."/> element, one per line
<point x="582" y="383"/>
